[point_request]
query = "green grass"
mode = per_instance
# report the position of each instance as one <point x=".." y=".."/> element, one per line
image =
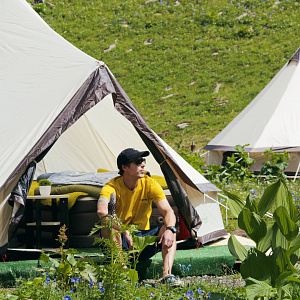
<point x="192" y="47"/>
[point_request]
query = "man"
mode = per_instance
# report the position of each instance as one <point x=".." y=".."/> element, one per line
<point x="134" y="192"/>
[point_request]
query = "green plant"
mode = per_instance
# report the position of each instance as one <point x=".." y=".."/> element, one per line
<point x="214" y="173"/>
<point x="44" y="182"/>
<point x="68" y="267"/>
<point x="237" y="166"/>
<point x="235" y="169"/>
<point x="274" y="168"/>
<point x="119" y="265"/>
<point x="269" y="267"/>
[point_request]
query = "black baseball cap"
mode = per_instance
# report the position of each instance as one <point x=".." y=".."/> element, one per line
<point x="129" y="154"/>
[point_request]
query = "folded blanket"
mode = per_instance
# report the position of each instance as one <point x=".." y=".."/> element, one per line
<point x="71" y="177"/>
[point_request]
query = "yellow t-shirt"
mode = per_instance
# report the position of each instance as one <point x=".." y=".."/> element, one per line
<point x="134" y="207"/>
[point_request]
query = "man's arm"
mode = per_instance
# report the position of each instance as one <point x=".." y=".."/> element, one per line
<point x="102" y="211"/>
<point x="167" y="238"/>
<point x="166" y="210"/>
<point x="102" y="207"/>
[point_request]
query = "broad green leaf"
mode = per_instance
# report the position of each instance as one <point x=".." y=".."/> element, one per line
<point x="292" y="289"/>
<point x="256" y="265"/>
<point x="251" y="204"/>
<point x="265" y="244"/>
<point x="287" y="227"/>
<point x="240" y="148"/>
<point x="296" y="242"/>
<point x="294" y="279"/>
<point x="272" y="194"/>
<point x="37" y="280"/>
<point x="44" y="257"/>
<point x="250" y="161"/>
<point x="280" y="262"/>
<point x="285" y="277"/>
<point x="71" y="259"/>
<point x="256" y="289"/>
<point x="279" y="195"/>
<point x="293" y="253"/>
<point x="235" y="204"/>
<point x="294" y="258"/>
<point x="278" y="240"/>
<point x="141" y="242"/>
<point x="64" y="268"/>
<point x="71" y="251"/>
<point x="133" y="275"/>
<point x="236" y="248"/>
<point x="253" y="224"/>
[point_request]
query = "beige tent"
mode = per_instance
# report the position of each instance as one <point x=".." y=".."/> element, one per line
<point x="64" y="110"/>
<point x="271" y="120"/>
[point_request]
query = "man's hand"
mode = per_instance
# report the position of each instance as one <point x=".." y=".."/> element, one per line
<point x="128" y="239"/>
<point x="167" y="239"/>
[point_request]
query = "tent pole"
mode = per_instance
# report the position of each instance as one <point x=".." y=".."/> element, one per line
<point x="207" y="152"/>
<point x="44" y="165"/>
<point x="297" y="172"/>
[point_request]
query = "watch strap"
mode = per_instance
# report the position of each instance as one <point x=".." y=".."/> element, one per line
<point x="172" y="228"/>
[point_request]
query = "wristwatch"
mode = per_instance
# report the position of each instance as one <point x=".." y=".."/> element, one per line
<point x="172" y="228"/>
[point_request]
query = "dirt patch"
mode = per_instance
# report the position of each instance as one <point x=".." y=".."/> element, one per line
<point x="240" y="232"/>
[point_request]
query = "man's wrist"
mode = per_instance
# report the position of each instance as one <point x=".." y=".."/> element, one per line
<point x="172" y="229"/>
<point x="126" y="232"/>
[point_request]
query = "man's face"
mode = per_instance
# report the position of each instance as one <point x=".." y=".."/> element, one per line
<point x="136" y="168"/>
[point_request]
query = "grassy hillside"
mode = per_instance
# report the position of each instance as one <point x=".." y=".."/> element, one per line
<point x="193" y="62"/>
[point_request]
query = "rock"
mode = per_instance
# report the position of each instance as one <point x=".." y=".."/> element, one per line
<point x="112" y="46"/>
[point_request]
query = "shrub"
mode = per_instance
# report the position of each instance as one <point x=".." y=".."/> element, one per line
<point x="269" y="268"/>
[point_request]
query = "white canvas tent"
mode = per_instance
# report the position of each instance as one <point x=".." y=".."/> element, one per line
<point x="63" y="110"/>
<point x="271" y="120"/>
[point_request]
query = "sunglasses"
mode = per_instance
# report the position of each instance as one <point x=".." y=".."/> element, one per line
<point x="138" y="161"/>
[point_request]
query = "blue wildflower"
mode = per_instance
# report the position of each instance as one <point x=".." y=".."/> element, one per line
<point x="190" y="294"/>
<point x="200" y="291"/>
<point x="48" y="280"/>
<point x="67" y="297"/>
<point x="76" y="279"/>
<point x="208" y="295"/>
